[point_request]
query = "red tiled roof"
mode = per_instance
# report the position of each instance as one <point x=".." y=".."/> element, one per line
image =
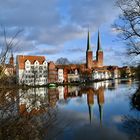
<point x="23" y="58"/>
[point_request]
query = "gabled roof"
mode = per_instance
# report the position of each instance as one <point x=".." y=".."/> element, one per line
<point x="23" y="58"/>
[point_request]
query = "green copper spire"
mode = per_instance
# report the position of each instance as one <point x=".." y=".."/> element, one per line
<point x="99" y="43"/>
<point x="88" y="43"/>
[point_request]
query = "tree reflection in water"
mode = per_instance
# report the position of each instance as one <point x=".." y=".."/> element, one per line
<point x="135" y="100"/>
<point x="132" y="123"/>
<point x="24" y="115"/>
<point x="132" y="127"/>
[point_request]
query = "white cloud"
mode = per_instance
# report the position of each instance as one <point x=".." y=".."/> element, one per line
<point x="92" y="13"/>
<point x="53" y="23"/>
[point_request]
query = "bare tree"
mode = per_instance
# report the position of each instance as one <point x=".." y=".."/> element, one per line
<point x="128" y="24"/>
<point x="8" y="44"/>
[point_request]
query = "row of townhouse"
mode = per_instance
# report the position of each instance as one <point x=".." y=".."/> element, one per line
<point x="35" y="70"/>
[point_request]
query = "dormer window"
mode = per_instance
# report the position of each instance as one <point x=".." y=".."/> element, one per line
<point x="36" y="64"/>
<point x="45" y="64"/>
<point x="27" y="65"/>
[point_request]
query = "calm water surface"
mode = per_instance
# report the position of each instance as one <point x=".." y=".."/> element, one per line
<point x="100" y="111"/>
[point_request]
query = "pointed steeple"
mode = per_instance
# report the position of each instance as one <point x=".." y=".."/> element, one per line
<point x="88" y="42"/>
<point x="99" y="43"/>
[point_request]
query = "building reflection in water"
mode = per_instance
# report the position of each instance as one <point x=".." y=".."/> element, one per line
<point x="37" y="100"/>
<point x="90" y="102"/>
<point x="100" y="95"/>
<point x="53" y="96"/>
<point x="32" y="101"/>
<point x="91" y="92"/>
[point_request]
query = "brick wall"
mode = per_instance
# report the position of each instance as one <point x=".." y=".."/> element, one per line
<point x="89" y="59"/>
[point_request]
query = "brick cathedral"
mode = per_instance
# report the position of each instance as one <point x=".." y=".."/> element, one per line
<point x="84" y="70"/>
<point x="90" y="63"/>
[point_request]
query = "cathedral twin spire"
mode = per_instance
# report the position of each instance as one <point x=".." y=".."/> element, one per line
<point x="90" y="63"/>
<point x="98" y="43"/>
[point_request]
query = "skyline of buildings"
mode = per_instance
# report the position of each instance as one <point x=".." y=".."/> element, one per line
<point x="35" y="70"/>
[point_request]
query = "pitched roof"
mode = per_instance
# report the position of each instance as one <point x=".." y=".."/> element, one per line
<point x="21" y="59"/>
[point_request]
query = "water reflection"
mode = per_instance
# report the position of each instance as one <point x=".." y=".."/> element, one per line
<point x="93" y="92"/>
<point x="36" y="110"/>
<point x="33" y="101"/>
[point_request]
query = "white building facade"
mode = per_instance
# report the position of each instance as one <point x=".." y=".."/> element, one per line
<point x="105" y="74"/>
<point x="100" y="75"/>
<point x="31" y="70"/>
<point x="60" y="76"/>
<point x="73" y="76"/>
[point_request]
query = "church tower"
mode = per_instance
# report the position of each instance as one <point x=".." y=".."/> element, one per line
<point x="11" y="61"/>
<point x="89" y="62"/>
<point x="99" y="53"/>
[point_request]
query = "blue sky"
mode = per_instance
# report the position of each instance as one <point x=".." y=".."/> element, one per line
<point x="58" y="28"/>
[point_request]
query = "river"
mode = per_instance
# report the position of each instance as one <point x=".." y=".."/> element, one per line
<point x="100" y="111"/>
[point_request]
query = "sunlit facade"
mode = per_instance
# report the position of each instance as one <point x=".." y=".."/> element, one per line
<point x="32" y="70"/>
